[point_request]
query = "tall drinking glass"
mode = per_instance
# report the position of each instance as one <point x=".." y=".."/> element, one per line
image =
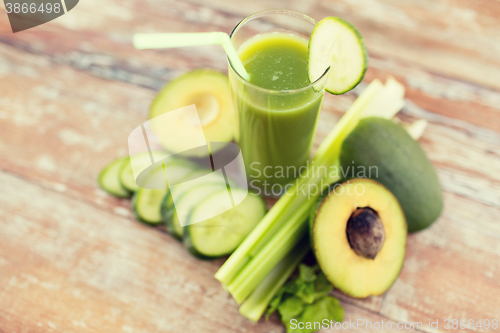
<point x="275" y="126"/>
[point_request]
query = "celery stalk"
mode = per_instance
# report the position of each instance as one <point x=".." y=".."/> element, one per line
<point x="272" y="253"/>
<point x="259" y="299"/>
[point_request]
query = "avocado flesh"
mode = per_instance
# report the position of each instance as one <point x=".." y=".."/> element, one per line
<point x="350" y="272"/>
<point x="209" y="91"/>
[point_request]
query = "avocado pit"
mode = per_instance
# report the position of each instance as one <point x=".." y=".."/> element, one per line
<point x="365" y="232"/>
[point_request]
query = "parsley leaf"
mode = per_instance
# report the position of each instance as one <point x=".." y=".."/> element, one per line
<point x="307" y="273"/>
<point x="327" y="307"/>
<point x="305" y="298"/>
<point x="321" y="284"/>
<point x="291" y="308"/>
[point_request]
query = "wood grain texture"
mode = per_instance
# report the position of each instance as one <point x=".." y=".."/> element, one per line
<point x="73" y="260"/>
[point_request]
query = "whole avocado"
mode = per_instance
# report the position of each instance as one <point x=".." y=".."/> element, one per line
<point x="389" y="155"/>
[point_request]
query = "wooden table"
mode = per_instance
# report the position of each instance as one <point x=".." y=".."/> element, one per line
<point x="73" y="259"/>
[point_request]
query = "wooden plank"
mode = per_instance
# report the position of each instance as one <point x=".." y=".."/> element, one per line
<point x="441" y="95"/>
<point x="359" y="320"/>
<point x="60" y="129"/>
<point x="451" y="270"/>
<point x="71" y="267"/>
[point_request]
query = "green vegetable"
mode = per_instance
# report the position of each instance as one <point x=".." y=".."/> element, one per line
<point x="109" y="179"/>
<point x="306" y="299"/>
<point x="140" y="161"/>
<point x="168" y="210"/>
<point x="146" y="202"/>
<point x="401" y="165"/>
<point x="146" y="205"/>
<point x="337" y="44"/>
<point x="290" y="308"/>
<point x="221" y="234"/>
<point x="286" y="223"/>
<point x="257" y="302"/>
<point x="327" y="307"/>
<point x="186" y="202"/>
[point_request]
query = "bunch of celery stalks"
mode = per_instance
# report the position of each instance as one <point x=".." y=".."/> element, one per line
<point x="268" y="256"/>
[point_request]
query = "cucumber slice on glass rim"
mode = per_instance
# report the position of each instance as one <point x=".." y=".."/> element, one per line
<point x="337" y="44"/>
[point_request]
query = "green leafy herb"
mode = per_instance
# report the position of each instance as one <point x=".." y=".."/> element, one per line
<point x="291" y="308"/>
<point x="305" y="298"/>
<point x="321" y="284"/>
<point x="307" y="293"/>
<point x="308" y="273"/>
<point x="327" y="307"/>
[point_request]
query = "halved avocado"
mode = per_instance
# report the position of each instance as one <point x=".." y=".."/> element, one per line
<point x="359" y="237"/>
<point x="209" y="91"/>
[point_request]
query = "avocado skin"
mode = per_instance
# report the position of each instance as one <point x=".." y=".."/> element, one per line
<point x="402" y="164"/>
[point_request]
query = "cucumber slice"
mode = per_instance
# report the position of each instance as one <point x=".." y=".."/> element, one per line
<point x="209" y="91"/>
<point x="140" y="161"/>
<point x="167" y="206"/>
<point x="337" y="44"/>
<point x="220" y="235"/>
<point x="146" y="205"/>
<point x="146" y="202"/>
<point x="109" y="179"/>
<point x="187" y="202"/>
<point x="167" y="209"/>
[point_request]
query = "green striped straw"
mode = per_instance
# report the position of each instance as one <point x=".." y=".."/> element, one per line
<point x="166" y="40"/>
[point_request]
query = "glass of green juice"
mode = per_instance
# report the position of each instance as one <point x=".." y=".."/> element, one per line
<point x="277" y="109"/>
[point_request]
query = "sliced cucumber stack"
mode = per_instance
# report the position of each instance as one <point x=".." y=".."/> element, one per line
<point x="221" y="234"/>
<point x="337" y="44"/>
<point x="109" y="179"/>
<point x="215" y="228"/>
<point x="146" y="202"/>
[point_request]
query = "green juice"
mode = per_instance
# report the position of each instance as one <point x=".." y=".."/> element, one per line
<point x="277" y="112"/>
